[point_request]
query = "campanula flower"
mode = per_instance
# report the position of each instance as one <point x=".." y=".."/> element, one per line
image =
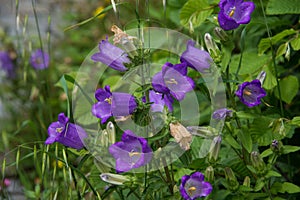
<point x="39" y="59"/>
<point x="6" y="64"/>
<point x="250" y="93"/>
<point x="195" y="58"/>
<point x="131" y="152"/>
<point x="66" y="133"/>
<point x="111" y="56"/>
<point x="222" y="113"/>
<point x="194" y="186"/>
<point x="173" y="80"/>
<point x="112" y="104"/>
<point x="234" y="12"/>
<point x="159" y="100"/>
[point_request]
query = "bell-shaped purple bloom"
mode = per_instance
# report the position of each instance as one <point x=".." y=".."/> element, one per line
<point x="250" y="93"/>
<point x="111" y="56"/>
<point x="112" y="104"/>
<point x="234" y="12"/>
<point x="195" y="58"/>
<point x="39" y="59"/>
<point x="6" y="64"/>
<point x="173" y="80"/>
<point x="159" y="101"/>
<point x="66" y="133"/>
<point x="131" y="152"/>
<point x="194" y="186"/>
<point x="222" y="113"/>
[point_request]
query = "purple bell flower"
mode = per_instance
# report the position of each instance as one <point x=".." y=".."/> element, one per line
<point x="195" y="58"/>
<point x="234" y="12"/>
<point x="250" y="93"/>
<point x="194" y="186"/>
<point x="6" y="64"/>
<point x="172" y="80"/>
<point x="111" y="56"/>
<point x="159" y="101"/>
<point x="222" y="113"/>
<point x="39" y="60"/>
<point x="66" y="133"/>
<point x="131" y="152"/>
<point x="112" y="104"/>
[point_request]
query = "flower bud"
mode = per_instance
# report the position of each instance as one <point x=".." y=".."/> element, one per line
<point x="276" y="146"/>
<point x="232" y="182"/>
<point x="288" y="52"/>
<point x="209" y="174"/>
<point x="214" y="149"/>
<point x="258" y="163"/>
<point x="247" y="181"/>
<point x="212" y="47"/>
<point x="114" y="179"/>
<point x="261" y="76"/>
<point x="221" y="34"/>
<point x="111" y="132"/>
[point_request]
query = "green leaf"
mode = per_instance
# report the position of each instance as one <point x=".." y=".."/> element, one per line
<point x="113" y="82"/>
<point x="296" y="121"/>
<point x="232" y="142"/>
<point x="295" y="43"/>
<point x="246" y="115"/>
<point x="270" y="80"/>
<point x="251" y="63"/>
<point x="265" y="43"/>
<point x="266" y="153"/>
<point x="289" y="87"/>
<point x="282" y="49"/>
<point x="194" y="12"/>
<point x="245" y="138"/>
<point x="289" y="149"/>
<point x="261" y="132"/>
<point x="272" y="173"/>
<point x="284" y="187"/>
<point x="276" y="7"/>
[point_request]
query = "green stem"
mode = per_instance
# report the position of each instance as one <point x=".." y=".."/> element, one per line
<point x="273" y="60"/>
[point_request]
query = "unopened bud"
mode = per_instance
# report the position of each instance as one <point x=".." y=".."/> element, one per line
<point x="111" y="132"/>
<point x="114" y="179"/>
<point x="276" y="146"/>
<point x="261" y="76"/>
<point x="209" y="174"/>
<point x="258" y="163"/>
<point x="211" y="45"/>
<point x="288" y="52"/>
<point x="214" y="149"/>
<point x="232" y="182"/>
<point x="247" y="181"/>
<point x="221" y="34"/>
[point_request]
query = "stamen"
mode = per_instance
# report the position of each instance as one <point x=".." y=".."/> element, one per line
<point x="172" y="81"/>
<point x="247" y="92"/>
<point x="191" y="190"/>
<point x="108" y="100"/>
<point x="232" y="12"/>
<point x="134" y="154"/>
<point x="59" y="130"/>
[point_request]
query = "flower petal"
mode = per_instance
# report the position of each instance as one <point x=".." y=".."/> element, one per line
<point x="102" y="110"/>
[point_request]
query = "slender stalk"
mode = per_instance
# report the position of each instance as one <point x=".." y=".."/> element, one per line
<point x="273" y="60"/>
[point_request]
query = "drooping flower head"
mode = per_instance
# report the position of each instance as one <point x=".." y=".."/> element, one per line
<point x="222" y="113"/>
<point x="6" y="64"/>
<point x="111" y="56"/>
<point x="173" y="80"/>
<point x="195" y="58"/>
<point x="194" y="186"/>
<point x="112" y="104"/>
<point x="131" y="152"/>
<point x="66" y="133"/>
<point x="39" y="59"/>
<point x="250" y="93"/>
<point x="234" y="12"/>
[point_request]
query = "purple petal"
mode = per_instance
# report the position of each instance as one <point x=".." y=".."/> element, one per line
<point x="158" y="83"/>
<point x="243" y="14"/>
<point x="195" y="58"/>
<point x="62" y="118"/>
<point x="222" y="113"/>
<point x="182" y="189"/>
<point x="7" y="64"/>
<point x="157" y="101"/>
<point x="39" y="59"/>
<point x="226" y="22"/>
<point x="102" y="94"/>
<point x="102" y="110"/>
<point x="198" y="175"/>
<point x="123" y="104"/>
<point x="72" y="136"/>
<point x="111" y="55"/>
